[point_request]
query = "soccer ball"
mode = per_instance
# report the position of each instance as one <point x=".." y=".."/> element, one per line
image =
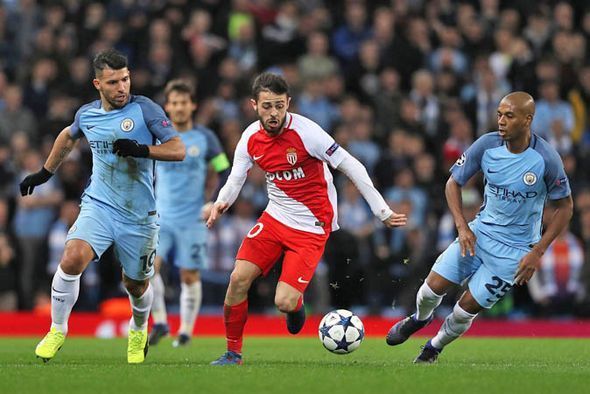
<point x="341" y="331"/>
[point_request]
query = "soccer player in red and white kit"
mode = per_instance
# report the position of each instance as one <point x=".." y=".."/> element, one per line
<point x="294" y="152"/>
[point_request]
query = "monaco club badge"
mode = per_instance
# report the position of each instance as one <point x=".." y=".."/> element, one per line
<point x="292" y="156"/>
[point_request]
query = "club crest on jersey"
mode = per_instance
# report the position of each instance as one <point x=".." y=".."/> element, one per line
<point x="193" y="151"/>
<point x="127" y="125"/>
<point x="292" y="156"/>
<point x="529" y="178"/>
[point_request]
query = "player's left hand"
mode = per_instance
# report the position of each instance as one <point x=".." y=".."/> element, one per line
<point x="527" y="267"/>
<point x="396" y="220"/>
<point x="216" y="211"/>
<point x="206" y="210"/>
<point x="31" y="181"/>
<point x="126" y="147"/>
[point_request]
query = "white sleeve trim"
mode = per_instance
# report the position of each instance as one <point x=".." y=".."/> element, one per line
<point x="359" y="176"/>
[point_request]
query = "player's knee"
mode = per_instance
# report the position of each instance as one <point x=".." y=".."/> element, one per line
<point x="73" y="261"/>
<point x="239" y="282"/>
<point x="135" y="287"/>
<point x="285" y="303"/>
<point x="189" y="276"/>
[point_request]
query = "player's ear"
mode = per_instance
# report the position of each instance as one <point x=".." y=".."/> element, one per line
<point x="288" y="102"/>
<point x="254" y="104"/>
<point x="96" y="83"/>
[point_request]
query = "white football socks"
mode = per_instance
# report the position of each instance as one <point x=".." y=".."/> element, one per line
<point x="426" y="302"/>
<point x="190" y="303"/>
<point x="140" y="307"/>
<point x="454" y="326"/>
<point x="159" y="306"/>
<point x="64" y="293"/>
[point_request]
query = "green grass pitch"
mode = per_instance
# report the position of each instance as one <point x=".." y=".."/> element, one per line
<point x="300" y="365"/>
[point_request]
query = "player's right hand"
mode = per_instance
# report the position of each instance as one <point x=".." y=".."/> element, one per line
<point x="467" y="242"/>
<point x="28" y="184"/>
<point x="218" y="209"/>
<point x="396" y="220"/>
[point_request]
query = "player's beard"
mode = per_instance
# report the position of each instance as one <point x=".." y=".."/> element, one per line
<point x="115" y="103"/>
<point x="273" y="131"/>
<point x="118" y="104"/>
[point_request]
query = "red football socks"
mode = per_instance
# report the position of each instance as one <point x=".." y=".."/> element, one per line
<point x="235" y="317"/>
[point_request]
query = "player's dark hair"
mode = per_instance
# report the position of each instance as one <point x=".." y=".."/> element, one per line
<point x="110" y="58"/>
<point x="269" y="82"/>
<point x="180" y="86"/>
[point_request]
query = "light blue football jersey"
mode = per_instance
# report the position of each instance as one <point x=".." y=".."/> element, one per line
<point x="516" y="186"/>
<point x="180" y="186"/>
<point x="124" y="185"/>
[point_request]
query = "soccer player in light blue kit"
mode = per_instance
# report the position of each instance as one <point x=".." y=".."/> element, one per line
<point x="503" y="245"/>
<point x="118" y="206"/>
<point x="181" y="191"/>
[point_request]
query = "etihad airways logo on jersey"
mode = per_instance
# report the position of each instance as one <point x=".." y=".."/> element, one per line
<point x="505" y="194"/>
<point x="288" y="175"/>
<point x="101" y="147"/>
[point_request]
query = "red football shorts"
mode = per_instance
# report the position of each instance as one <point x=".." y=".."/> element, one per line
<point x="269" y="238"/>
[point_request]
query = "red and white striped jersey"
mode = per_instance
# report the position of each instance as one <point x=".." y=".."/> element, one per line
<point x="300" y="188"/>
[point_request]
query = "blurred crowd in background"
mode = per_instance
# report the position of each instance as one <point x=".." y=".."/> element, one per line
<point x="404" y="85"/>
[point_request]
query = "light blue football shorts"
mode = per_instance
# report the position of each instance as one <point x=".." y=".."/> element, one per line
<point x="134" y="244"/>
<point x="490" y="273"/>
<point x="185" y="245"/>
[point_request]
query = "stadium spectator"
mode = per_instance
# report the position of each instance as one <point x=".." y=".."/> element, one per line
<point x="32" y="222"/>
<point x="15" y="117"/>
<point x="554" y="119"/>
<point x="316" y="63"/>
<point x="557" y="287"/>
<point x="8" y="255"/>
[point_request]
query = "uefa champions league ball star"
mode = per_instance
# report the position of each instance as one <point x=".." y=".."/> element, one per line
<point x="341" y="331"/>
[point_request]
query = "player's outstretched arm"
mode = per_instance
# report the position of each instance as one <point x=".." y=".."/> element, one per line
<point x="465" y="235"/>
<point x="557" y="223"/>
<point x="357" y="173"/>
<point x="63" y="145"/>
<point x="171" y="150"/>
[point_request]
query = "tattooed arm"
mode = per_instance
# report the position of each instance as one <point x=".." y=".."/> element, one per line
<point x="63" y="145"/>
